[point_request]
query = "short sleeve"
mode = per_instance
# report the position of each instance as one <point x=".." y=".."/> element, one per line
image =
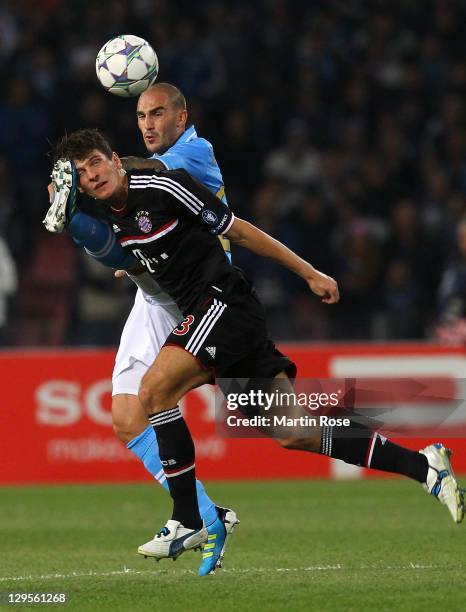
<point x="192" y="156"/>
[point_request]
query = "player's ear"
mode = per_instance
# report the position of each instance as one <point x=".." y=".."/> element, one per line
<point x="116" y="160"/>
<point x="182" y="117"/>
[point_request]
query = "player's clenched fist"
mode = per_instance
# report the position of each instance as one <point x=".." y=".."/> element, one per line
<point x="324" y="286"/>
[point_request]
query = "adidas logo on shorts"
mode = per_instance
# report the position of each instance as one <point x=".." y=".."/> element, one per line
<point x="211" y="350"/>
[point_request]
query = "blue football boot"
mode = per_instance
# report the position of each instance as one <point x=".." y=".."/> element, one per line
<point x="213" y="550"/>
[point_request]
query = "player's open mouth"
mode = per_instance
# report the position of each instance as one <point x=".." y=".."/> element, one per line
<point x="100" y="185"/>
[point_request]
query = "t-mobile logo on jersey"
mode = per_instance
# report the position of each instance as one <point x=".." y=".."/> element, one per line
<point x="148" y="262"/>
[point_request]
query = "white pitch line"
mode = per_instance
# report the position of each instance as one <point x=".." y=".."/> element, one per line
<point x="232" y="570"/>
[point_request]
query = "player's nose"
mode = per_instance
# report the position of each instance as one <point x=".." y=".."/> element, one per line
<point x="148" y="123"/>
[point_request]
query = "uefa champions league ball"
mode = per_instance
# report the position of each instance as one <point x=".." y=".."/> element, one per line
<point x="126" y="65"/>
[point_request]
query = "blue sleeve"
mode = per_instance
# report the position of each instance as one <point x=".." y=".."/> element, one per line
<point x="99" y="241"/>
<point x="192" y="156"/>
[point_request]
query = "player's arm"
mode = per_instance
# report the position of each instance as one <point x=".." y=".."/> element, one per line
<point x="212" y="212"/>
<point x="247" y="235"/>
<point x="192" y="156"/>
<point x="100" y="243"/>
<point x="141" y="163"/>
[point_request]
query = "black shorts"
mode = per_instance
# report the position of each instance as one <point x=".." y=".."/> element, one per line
<point x="231" y="339"/>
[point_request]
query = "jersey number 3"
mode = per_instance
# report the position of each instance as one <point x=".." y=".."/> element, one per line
<point x="183" y="327"/>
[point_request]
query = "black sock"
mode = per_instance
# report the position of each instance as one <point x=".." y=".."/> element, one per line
<point x="389" y="457"/>
<point x="176" y="449"/>
<point x="361" y="445"/>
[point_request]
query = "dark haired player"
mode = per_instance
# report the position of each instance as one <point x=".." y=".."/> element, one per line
<point x="169" y="222"/>
<point x="162" y="120"/>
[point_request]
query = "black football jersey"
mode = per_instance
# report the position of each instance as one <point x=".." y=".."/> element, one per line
<point x="170" y="225"/>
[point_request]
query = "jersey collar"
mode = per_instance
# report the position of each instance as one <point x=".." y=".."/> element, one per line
<point x="189" y="134"/>
<point x="186" y="136"/>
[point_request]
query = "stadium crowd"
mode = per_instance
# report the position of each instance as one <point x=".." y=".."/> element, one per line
<point x="339" y="127"/>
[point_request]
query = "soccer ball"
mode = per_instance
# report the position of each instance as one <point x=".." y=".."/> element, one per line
<point x="126" y="65"/>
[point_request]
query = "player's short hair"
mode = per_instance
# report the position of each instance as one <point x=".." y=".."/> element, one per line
<point x="79" y="145"/>
<point x="177" y="99"/>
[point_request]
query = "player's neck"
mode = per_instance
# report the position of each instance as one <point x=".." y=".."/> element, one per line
<point x="119" y="201"/>
<point x="119" y="210"/>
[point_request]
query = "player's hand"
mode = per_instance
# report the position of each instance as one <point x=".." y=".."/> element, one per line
<point x="141" y="163"/>
<point x="51" y="192"/>
<point x="136" y="271"/>
<point x="130" y="162"/>
<point x="324" y="286"/>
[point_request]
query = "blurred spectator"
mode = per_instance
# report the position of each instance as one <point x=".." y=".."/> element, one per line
<point x="358" y="271"/>
<point x="296" y="164"/>
<point x="25" y="124"/>
<point x="8" y="33"/>
<point x="452" y="294"/>
<point x="400" y="301"/>
<point x="6" y="196"/>
<point x="8" y="286"/>
<point x="237" y="137"/>
<point x="194" y="62"/>
<point x="102" y="305"/>
<point x="423" y="253"/>
<point x="339" y="128"/>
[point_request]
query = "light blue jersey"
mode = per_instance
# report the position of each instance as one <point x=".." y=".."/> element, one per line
<point x="196" y="156"/>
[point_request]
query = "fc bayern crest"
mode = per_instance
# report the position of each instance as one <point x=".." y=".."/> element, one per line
<point x="144" y="222"/>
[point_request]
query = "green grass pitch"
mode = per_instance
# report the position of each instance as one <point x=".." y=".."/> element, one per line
<point x="316" y="545"/>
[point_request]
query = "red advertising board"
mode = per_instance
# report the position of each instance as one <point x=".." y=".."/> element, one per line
<point x="56" y="422"/>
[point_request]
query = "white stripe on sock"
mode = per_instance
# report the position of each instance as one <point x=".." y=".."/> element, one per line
<point x="182" y="471"/>
<point x="373" y="441"/>
<point x="160" y="476"/>
<point x="165" y="417"/>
